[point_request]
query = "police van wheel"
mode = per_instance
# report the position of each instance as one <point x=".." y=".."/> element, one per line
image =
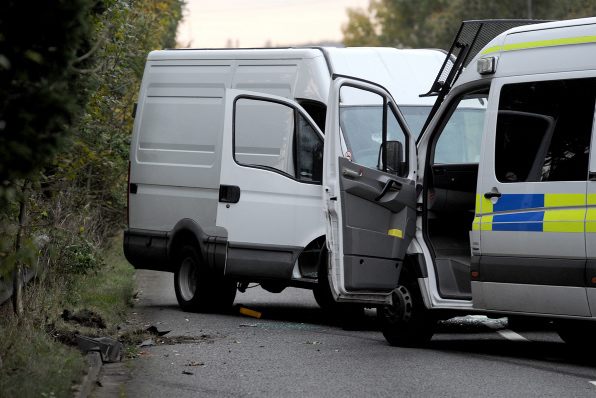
<point x="406" y="323"/>
<point x="197" y="288"/>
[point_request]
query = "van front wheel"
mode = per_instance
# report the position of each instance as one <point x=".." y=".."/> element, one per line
<point x="199" y="289"/>
<point x="406" y="323"/>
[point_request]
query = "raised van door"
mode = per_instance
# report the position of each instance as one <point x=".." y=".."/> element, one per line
<point x="369" y="191"/>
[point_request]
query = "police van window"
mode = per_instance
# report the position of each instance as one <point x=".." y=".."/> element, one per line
<point x="276" y="136"/>
<point x="459" y="142"/>
<point x="543" y="130"/>
<point x="361" y="121"/>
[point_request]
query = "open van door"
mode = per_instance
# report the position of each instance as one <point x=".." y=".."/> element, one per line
<point x="369" y="180"/>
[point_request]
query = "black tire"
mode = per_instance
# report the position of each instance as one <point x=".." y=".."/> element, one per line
<point x="407" y="323"/>
<point x="199" y="289"/>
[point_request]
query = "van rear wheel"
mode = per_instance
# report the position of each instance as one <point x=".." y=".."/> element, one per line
<point x="199" y="289"/>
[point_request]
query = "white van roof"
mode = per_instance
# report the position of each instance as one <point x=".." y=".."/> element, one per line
<point x="406" y="73"/>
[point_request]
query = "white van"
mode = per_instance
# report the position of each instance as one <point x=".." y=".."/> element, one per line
<point x="226" y="162"/>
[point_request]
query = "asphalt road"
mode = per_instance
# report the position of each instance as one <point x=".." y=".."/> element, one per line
<point x="293" y="350"/>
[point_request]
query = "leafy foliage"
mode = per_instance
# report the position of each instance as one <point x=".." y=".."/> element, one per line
<point x="434" y="23"/>
<point x="38" y="102"/>
<point x="65" y="120"/>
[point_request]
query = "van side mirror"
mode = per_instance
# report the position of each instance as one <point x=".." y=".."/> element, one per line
<point x="394" y="151"/>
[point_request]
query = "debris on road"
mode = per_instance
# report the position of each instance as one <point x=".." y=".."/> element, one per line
<point x="147" y="343"/>
<point x="249" y="312"/>
<point x="186" y="372"/>
<point x="248" y="325"/>
<point x="194" y="363"/>
<point x="153" y="330"/>
<point x="109" y="349"/>
<point x="314" y="342"/>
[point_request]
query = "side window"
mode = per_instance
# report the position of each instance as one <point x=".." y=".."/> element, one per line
<point x="309" y="152"/>
<point x="543" y="130"/>
<point x="459" y="142"/>
<point x="276" y="136"/>
<point x="362" y="124"/>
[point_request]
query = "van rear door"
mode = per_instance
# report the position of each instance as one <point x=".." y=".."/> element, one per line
<point x="369" y="190"/>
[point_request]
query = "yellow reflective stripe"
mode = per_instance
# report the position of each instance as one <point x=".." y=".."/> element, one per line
<point x="591" y="199"/>
<point x="396" y="232"/>
<point x="565" y="220"/>
<point x="476" y="224"/>
<point x="486" y="223"/>
<point x="591" y="219"/>
<point x="541" y="43"/>
<point x="487" y="205"/>
<point x="564" y="200"/>
<point x="478" y="209"/>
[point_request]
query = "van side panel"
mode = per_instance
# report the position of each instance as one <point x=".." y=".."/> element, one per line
<point x="176" y="156"/>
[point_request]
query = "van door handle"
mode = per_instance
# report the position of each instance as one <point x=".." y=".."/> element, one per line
<point x="492" y="194"/>
<point x="229" y="193"/>
<point x="387" y="187"/>
<point x="352" y="173"/>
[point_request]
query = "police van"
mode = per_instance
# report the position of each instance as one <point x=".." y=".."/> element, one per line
<point x="494" y="209"/>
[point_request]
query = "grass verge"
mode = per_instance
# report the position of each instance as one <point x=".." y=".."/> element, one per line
<point x="34" y="363"/>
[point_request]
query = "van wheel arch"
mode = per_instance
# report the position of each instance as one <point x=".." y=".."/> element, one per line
<point x="199" y="286"/>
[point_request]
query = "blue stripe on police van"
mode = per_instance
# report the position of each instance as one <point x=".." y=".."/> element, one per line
<point x="519" y="226"/>
<point x="519" y="201"/>
<point x="519" y="217"/>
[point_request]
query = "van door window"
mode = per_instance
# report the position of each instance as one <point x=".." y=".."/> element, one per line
<point x="361" y="121"/>
<point x="459" y="142"/>
<point x="276" y="136"/>
<point x="543" y="130"/>
<point x="309" y="152"/>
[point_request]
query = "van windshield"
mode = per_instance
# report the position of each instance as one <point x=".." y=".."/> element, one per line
<point x="415" y="116"/>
